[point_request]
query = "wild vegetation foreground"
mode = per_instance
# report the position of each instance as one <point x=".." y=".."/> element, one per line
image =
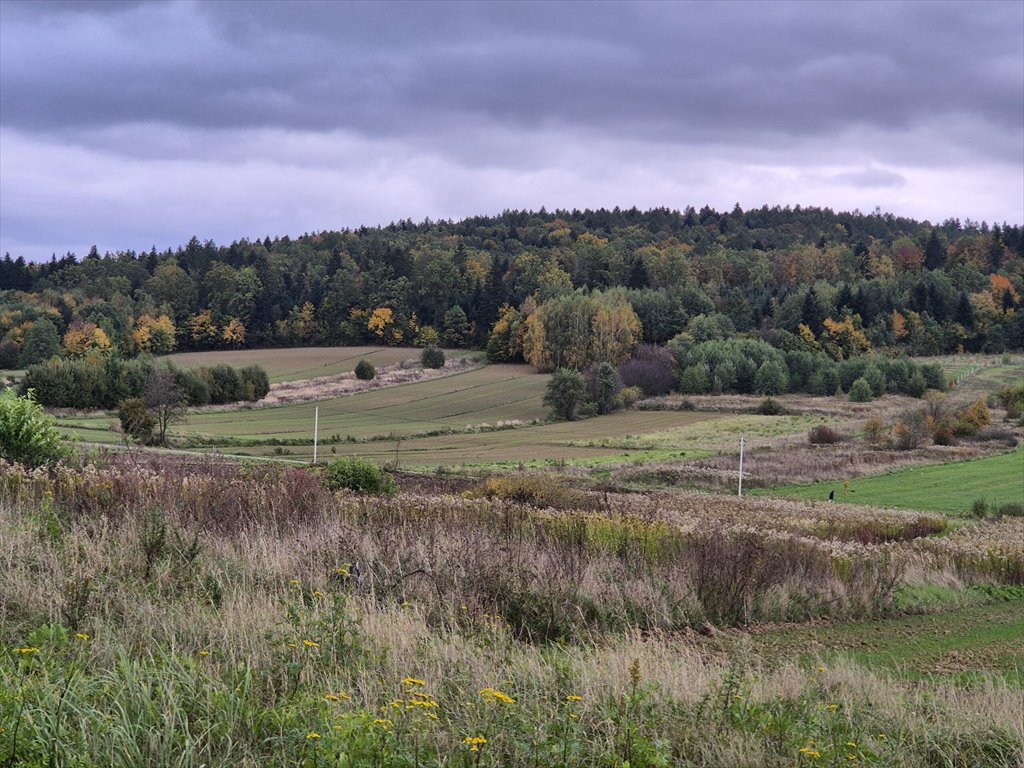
<point x="159" y="613"/>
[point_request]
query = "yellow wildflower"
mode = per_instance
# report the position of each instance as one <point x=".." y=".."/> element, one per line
<point x="809" y="752"/>
<point x="310" y="644"/>
<point x="474" y="742"/>
<point x="332" y="698"/>
<point x="490" y="694"/>
<point x="26" y="651"/>
<point x="204" y="653"/>
<point x="851" y="744"/>
<point x="382" y="723"/>
<point x="574" y="698"/>
<point x="832" y="707"/>
<point x="318" y="593"/>
<point x="413" y="681"/>
<point x="81" y="636"/>
<point x="312" y="736"/>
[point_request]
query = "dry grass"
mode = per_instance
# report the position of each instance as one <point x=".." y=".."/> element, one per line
<point x="160" y="564"/>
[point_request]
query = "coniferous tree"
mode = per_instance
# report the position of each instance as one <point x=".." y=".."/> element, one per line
<point x="934" y="253"/>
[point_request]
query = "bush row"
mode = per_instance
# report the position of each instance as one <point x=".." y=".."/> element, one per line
<point x="751" y="366"/>
<point x="60" y="383"/>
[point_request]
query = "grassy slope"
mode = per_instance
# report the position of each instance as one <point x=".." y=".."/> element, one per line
<point x="943" y="488"/>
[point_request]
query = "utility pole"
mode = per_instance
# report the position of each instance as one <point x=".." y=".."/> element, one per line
<point x="742" y="443"/>
<point x="316" y="430"/>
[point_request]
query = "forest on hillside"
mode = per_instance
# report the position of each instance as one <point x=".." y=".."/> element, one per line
<point x="557" y="289"/>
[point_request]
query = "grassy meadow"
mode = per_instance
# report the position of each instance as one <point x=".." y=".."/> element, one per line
<point x="951" y="488"/>
<point x="171" y="613"/>
<point x="585" y="593"/>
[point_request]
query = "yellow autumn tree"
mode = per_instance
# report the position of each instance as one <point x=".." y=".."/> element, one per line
<point x="205" y="332"/>
<point x="234" y="333"/>
<point x="84" y="338"/>
<point x="807" y="337"/>
<point x="380" y="319"/>
<point x="844" y="338"/>
<point x="580" y="329"/>
<point x="154" y="334"/>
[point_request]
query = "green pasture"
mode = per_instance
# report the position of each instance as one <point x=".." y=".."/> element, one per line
<point x="719" y="434"/>
<point x="964" y="643"/>
<point x="295" y="363"/>
<point x="950" y="488"/>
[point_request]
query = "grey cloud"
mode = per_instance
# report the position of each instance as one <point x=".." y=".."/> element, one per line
<point x="664" y="71"/>
<point x="870" y="178"/>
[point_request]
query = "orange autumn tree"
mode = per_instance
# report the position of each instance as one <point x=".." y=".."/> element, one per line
<point x="1003" y="293"/>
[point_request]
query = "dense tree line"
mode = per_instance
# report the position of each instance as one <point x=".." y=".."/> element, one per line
<point x="842" y="284"/>
<point x="91" y="383"/>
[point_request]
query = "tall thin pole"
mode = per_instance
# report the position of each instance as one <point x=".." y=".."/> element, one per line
<point x="742" y="443"/>
<point x="316" y="430"/>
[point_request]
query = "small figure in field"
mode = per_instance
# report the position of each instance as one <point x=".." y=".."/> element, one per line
<point x="832" y="495"/>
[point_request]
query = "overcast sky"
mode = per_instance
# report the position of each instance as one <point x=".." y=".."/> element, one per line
<point x="132" y="124"/>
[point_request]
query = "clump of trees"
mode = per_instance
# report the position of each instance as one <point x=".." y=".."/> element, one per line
<point x="91" y="383"/>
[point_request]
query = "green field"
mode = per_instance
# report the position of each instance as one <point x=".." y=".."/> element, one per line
<point x="297" y="363"/>
<point x="980" y="639"/>
<point x="950" y="488"/>
<point x="457" y="419"/>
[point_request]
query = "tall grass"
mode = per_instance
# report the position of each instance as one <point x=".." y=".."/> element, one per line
<point x="215" y="615"/>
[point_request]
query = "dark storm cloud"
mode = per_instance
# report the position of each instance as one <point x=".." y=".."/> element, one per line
<point x="668" y="72"/>
<point x="132" y="123"/>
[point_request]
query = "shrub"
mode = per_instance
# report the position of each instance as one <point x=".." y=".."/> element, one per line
<point x="628" y="397"/>
<point x="603" y="384"/>
<point x="823" y="435"/>
<point x="533" y="490"/>
<point x="432" y="357"/>
<point x="979" y="508"/>
<point x="225" y="384"/>
<point x="136" y="420"/>
<point x="860" y="391"/>
<point x="193" y="385"/>
<point x="933" y="377"/>
<point x="255" y="383"/>
<point x="1011" y="509"/>
<point x="365" y="370"/>
<point x="564" y="393"/>
<point x="770" y="407"/>
<point x="652" y="369"/>
<point x="970" y="421"/>
<point x="359" y="475"/>
<point x="911" y="431"/>
<point x="917" y="385"/>
<point x="27" y="435"/>
<point x="876" y="432"/>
